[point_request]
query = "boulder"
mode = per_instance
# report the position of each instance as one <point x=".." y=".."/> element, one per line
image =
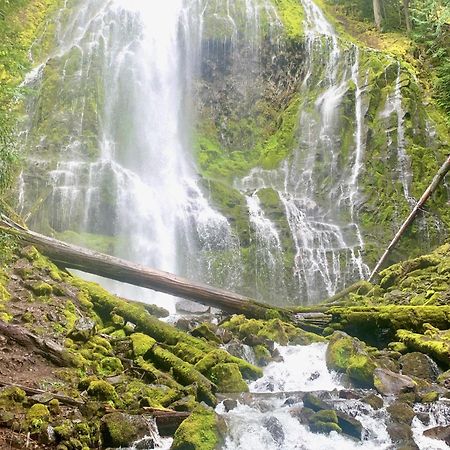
<point x="416" y="364"/>
<point x="121" y="430"/>
<point x="374" y="401"/>
<point x="390" y="383"/>
<point x="349" y="355"/>
<point x="442" y="433"/>
<point x="401" y="412"/>
<point x="186" y="306"/>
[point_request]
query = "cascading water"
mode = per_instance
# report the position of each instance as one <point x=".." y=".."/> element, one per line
<point x="317" y="193"/>
<point x="396" y="136"/>
<point x="126" y="171"/>
<point x="268" y="418"/>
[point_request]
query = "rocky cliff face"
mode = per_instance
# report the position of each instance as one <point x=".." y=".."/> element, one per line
<point x="312" y="147"/>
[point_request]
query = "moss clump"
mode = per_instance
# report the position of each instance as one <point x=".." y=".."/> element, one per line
<point x="38" y="416"/>
<point x="205" y="331"/>
<point x="4" y="294"/>
<point x="228" y="378"/>
<point x="102" y="390"/>
<point x="197" y="432"/>
<point x="41" y="289"/>
<point x="13" y="394"/>
<point x="110" y="366"/>
<point x="141" y="344"/>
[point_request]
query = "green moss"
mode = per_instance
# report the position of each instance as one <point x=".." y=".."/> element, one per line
<point x="41" y="289"/>
<point x="38" y="416"/>
<point x="110" y="366"/>
<point x="102" y="390"/>
<point x="349" y="355"/>
<point x="326" y="415"/>
<point x="228" y="378"/>
<point x="197" y="432"/>
<point x="141" y="344"/>
<point x="293" y="16"/>
<point x="13" y="394"/>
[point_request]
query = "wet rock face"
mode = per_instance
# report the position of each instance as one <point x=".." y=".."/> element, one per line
<point x="391" y="383"/>
<point x="418" y="365"/>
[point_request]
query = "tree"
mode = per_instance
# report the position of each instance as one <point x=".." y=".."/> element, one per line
<point x="377" y="13"/>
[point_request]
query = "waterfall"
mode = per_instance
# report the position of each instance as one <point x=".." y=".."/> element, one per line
<point x="317" y="194"/>
<point x="124" y="167"/>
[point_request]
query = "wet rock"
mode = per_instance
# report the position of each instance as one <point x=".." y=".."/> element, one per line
<point x="374" y="401"/>
<point x="418" y="365"/>
<point x="274" y="427"/>
<point x="290" y="401"/>
<point x="390" y="383"/>
<point x="228" y="378"/>
<point x="401" y="412"/>
<point x="442" y="433"/>
<point x="229" y="404"/>
<point x="303" y="415"/>
<point x="401" y="436"/>
<point x="349" y="394"/>
<point x="347" y="424"/>
<point x="206" y="331"/>
<point x="239" y="350"/>
<point x="121" y="430"/>
<point x="83" y="329"/>
<point x="224" y="335"/>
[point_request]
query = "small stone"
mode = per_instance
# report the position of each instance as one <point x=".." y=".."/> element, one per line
<point x="83" y="329"/>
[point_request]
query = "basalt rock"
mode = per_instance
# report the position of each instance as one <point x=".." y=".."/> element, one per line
<point x="418" y="365"/>
<point x="390" y="383"/>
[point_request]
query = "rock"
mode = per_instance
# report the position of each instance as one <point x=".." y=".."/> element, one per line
<point x="401" y="412"/>
<point x="442" y="433"/>
<point x="121" y="430"/>
<point x="429" y="397"/>
<point x="303" y="415"/>
<point x="349" y="355"/>
<point x="347" y="424"/>
<point x="156" y="311"/>
<point x="186" y="306"/>
<point x="274" y="427"/>
<point x="205" y="331"/>
<point x="187" y="403"/>
<point x="228" y="378"/>
<point x="110" y="366"/>
<point x="349" y="394"/>
<point x="229" y="404"/>
<point x="390" y="383"/>
<point x="402" y="436"/>
<point x="418" y="365"/>
<point x="374" y="401"/>
<point x="83" y="329"/>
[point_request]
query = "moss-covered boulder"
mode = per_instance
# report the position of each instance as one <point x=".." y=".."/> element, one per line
<point x="198" y="431"/>
<point x="349" y="355"/>
<point x="228" y="378"/>
<point x="102" y="390"/>
<point x="122" y="430"/>
<point x="141" y="344"/>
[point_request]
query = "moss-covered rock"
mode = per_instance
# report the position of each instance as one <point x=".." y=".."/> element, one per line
<point x="228" y="378"/>
<point x="197" y="432"/>
<point x="110" y="366"/>
<point x="102" y="390"/>
<point x="141" y="344"/>
<point x="349" y="355"/>
<point x="122" y="430"/>
<point x="38" y="417"/>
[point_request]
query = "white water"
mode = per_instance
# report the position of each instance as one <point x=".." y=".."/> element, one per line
<point x="304" y="369"/>
<point x="394" y="107"/>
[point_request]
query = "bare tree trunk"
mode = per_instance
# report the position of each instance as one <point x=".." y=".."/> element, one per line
<point x="407" y="15"/>
<point x="410" y="219"/>
<point x="377" y="14"/>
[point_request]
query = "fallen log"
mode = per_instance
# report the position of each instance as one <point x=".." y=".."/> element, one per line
<point x="410" y="219"/>
<point x="73" y="257"/>
<point x="44" y="347"/>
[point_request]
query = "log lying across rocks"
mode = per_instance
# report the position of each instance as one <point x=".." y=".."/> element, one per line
<point x="74" y="257"/>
